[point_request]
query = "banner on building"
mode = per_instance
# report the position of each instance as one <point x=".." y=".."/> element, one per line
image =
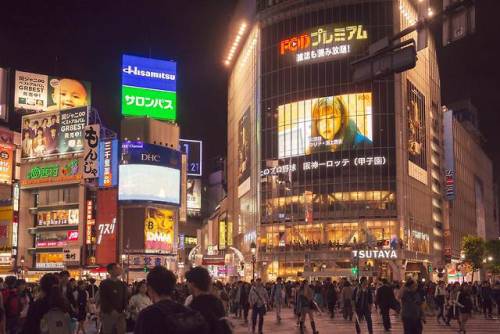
<point x="91" y="151"/>
<point x="417" y="142"/>
<point x="53" y="133"/>
<point x="6" y="163"/>
<point x="159" y="227"/>
<point x="38" y="92"/>
<point x="106" y="226"/>
<point x="51" y="172"/>
<point x="3" y="95"/>
<point x="108" y="163"/>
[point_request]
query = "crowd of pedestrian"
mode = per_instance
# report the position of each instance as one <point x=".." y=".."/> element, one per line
<point x="59" y="304"/>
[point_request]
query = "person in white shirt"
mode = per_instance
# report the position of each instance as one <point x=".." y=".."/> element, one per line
<point x="139" y="301"/>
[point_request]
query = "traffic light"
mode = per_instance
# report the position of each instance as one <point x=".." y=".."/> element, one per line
<point x="429" y="268"/>
<point x="354" y="271"/>
<point x="146" y="269"/>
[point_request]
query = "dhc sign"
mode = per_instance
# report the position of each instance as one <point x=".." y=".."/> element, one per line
<point x="375" y="254"/>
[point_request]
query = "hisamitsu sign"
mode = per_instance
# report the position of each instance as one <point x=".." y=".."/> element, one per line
<point x="149" y="87"/>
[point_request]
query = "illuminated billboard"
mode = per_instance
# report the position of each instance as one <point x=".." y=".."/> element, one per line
<point x="159" y="227"/>
<point x="6" y="162"/>
<point x="194" y="151"/>
<point x="149" y="173"/>
<point x="38" y="92"/>
<point x="61" y="217"/>
<point x="326" y="124"/>
<point x="51" y="172"/>
<point x="108" y="163"/>
<point x="417" y="144"/>
<point x="323" y="43"/>
<point x="53" y="133"/>
<point x="51" y="239"/>
<point x="149" y="88"/>
<point x="193" y="194"/>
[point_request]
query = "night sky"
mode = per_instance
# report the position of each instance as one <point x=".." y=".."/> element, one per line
<point x="85" y="40"/>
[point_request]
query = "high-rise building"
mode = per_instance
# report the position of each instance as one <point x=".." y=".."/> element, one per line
<point x="327" y="177"/>
<point x="469" y="185"/>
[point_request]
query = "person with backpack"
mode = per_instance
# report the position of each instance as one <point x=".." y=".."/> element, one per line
<point x="12" y="305"/>
<point x="113" y="301"/>
<point x="48" y="314"/>
<point x="206" y="303"/>
<point x="165" y="315"/>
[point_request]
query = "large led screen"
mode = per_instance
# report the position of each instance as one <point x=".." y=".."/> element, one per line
<point x="326" y="124"/>
<point x="149" y="88"/>
<point x="159" y="227"/>
<point x="138" y="182"/>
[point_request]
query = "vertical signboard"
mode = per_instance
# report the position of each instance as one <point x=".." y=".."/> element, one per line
<point x="6" y="163"/>
<point x="449" y="155"/>
<point x="106" y="229"/>
<point x="90" y="151"/>
<point x="194" y="151"/>
<point x="417" y="145"/>
<point x="108" y="163"/>
<point x="6" y="219"/>
<point x="3" y="95"/>
<point x="149" y="88"/>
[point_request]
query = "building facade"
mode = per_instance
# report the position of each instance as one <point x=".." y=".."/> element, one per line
<point x="320" y="169"/>
<point x="469" y="184"/>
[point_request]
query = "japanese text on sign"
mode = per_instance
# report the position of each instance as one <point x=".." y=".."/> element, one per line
<point x="90" y="157"/>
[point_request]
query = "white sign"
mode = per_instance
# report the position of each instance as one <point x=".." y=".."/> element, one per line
<point x="71" y="256"/>
<point x="375" y="254"/>
<point x="90" y="151"/>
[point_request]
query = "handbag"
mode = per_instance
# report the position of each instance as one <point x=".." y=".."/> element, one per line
<point x="264" y="308"/>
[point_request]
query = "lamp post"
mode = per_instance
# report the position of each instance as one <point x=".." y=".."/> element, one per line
<point x="253" y="249"/>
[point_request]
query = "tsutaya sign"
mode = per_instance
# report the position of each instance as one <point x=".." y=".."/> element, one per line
<point x="323" y="43"/>
<point x="375" y="254"/>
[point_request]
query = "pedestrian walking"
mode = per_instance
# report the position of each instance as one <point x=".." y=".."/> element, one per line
<point x="385" y="300"/>
<point x="347" y="297"/>
<point x="412" y="312"/>
<point x="277" y="297"/>
<point x="363" y="302"/>
<point x="440" y="297"/>
<point x="486" y="297"/>
<point x="306" y="306"/>
<point x="258" y="299"/>
<point x="465" y="305"/>
<point x="12" y="305"/>
<point x="331" y="296"/>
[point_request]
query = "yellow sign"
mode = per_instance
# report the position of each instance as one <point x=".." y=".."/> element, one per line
<point x="159" y="230"/>
<point x="6" y="217"/>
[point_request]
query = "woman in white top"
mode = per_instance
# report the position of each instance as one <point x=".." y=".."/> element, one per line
<point x="139" y="301"/>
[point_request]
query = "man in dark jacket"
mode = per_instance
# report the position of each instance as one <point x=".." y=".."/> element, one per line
<point x="210" y="307"/>
<point x="113" y="300"/>
<point x="363" y="301"/>
<point x="166" y="315"/>
<point x="385" y="300"/>
<point x="331" y="296"/>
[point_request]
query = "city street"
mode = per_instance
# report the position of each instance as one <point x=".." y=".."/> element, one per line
<point x="338" y="325"/>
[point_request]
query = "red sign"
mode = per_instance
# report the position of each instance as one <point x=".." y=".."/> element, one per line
<point x="293" y="44"/>
<point x="106" y="214"/>
<point x="72" y="235"/>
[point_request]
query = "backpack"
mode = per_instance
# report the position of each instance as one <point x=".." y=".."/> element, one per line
<point x="223" y="326"/>
<point x="55" y="321"/>
<point x="183" y="320"/>
<point x="12" y="303"/>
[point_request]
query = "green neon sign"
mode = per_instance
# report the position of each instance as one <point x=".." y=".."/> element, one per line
<point x="149" y="102"/>
<point x="43" y="172"/>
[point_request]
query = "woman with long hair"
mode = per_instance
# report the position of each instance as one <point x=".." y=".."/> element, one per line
<point x="306" y="306"/>
<point x="50" y="299"/>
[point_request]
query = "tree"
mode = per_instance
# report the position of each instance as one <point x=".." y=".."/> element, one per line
<point x="474" y="250"/>
<point x="492" y="248"/>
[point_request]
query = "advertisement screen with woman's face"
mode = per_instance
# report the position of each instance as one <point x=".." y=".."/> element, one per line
<point x="325" y="124"/>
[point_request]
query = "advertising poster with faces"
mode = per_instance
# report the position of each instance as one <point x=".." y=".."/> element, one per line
<point x="244" y="159"/>
<point x="326" y="124"/>
<point x="38" y="92"/>
<point x="159" y="230"/>
<point x="416" y="126"/>
<point x="53" y="133"/>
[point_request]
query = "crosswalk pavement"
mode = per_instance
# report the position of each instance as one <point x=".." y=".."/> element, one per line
<point x="325" y="325"/>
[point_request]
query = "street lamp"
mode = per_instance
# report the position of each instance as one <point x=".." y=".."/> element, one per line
<point x="253" y="248"/>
